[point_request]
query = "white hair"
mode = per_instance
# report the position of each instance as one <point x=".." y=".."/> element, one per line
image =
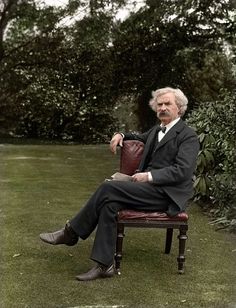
<point x="180" y="99"/>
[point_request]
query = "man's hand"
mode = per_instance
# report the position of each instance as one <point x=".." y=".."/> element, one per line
<point x="140" y="177"/>
<point x="115" y="141"/>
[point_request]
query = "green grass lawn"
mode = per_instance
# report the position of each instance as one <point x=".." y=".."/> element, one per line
<point x="44" y="185"/>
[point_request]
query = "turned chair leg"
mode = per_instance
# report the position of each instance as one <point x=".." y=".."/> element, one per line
<point x="169" y="235"/>
<point x="182" y="241"/>
<point x="119" y="245"/>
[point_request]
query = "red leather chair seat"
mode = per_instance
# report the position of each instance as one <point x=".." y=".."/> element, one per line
<point x="131" y="214"/>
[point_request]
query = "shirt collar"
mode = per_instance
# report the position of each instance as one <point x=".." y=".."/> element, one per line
<point x="171" y="124"/>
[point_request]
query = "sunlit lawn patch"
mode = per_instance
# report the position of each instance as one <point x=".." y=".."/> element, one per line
<point x="44" y="185"/>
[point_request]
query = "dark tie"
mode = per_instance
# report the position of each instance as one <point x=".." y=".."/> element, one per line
<point x="163" y="129"/>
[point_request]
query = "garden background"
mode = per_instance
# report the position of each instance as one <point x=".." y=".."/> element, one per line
<point x="73" y="74"/>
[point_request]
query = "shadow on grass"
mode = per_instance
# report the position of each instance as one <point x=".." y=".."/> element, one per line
<point x="44" y="185"/>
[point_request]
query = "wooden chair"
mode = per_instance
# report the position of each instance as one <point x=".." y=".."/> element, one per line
<point x="131" y="153"/>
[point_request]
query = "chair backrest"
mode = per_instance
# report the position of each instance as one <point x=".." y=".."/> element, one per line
<point x="130" y="156"/>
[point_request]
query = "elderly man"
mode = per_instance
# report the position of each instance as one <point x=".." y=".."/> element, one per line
<point x="163" y="183"/>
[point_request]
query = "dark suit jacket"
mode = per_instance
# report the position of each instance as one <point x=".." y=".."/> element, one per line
<point x="173" y="160"/>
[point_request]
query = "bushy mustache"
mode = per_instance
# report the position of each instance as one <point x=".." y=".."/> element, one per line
<point x="163" y="113"/>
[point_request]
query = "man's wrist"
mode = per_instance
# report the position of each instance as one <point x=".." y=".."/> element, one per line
<point x="116" y="133"/>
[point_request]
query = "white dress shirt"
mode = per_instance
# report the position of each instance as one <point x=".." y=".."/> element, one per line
<point x="160" y="136"/>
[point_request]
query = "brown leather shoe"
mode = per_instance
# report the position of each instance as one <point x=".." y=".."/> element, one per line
<point x="98" y="271"/>
<point x="65" y="236"/>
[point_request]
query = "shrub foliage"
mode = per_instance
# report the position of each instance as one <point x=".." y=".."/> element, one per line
<point x="215" y="183"/>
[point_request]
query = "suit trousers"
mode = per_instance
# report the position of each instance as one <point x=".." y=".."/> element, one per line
<point x="101" y="210"/>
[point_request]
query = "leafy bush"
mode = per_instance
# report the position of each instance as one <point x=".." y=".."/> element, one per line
<point x="215" y="185"/>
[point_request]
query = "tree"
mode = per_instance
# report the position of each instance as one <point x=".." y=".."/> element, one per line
<point x="22" y="27"/>
<point x="62" y="81"/>
<point x="57" y="78"/>
<point x="174" y="43"/>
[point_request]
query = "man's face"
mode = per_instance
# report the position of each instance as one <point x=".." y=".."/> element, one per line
<point x="167" y="110"/>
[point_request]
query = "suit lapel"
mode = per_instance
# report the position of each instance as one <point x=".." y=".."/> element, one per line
<point x="171" y="134"/>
